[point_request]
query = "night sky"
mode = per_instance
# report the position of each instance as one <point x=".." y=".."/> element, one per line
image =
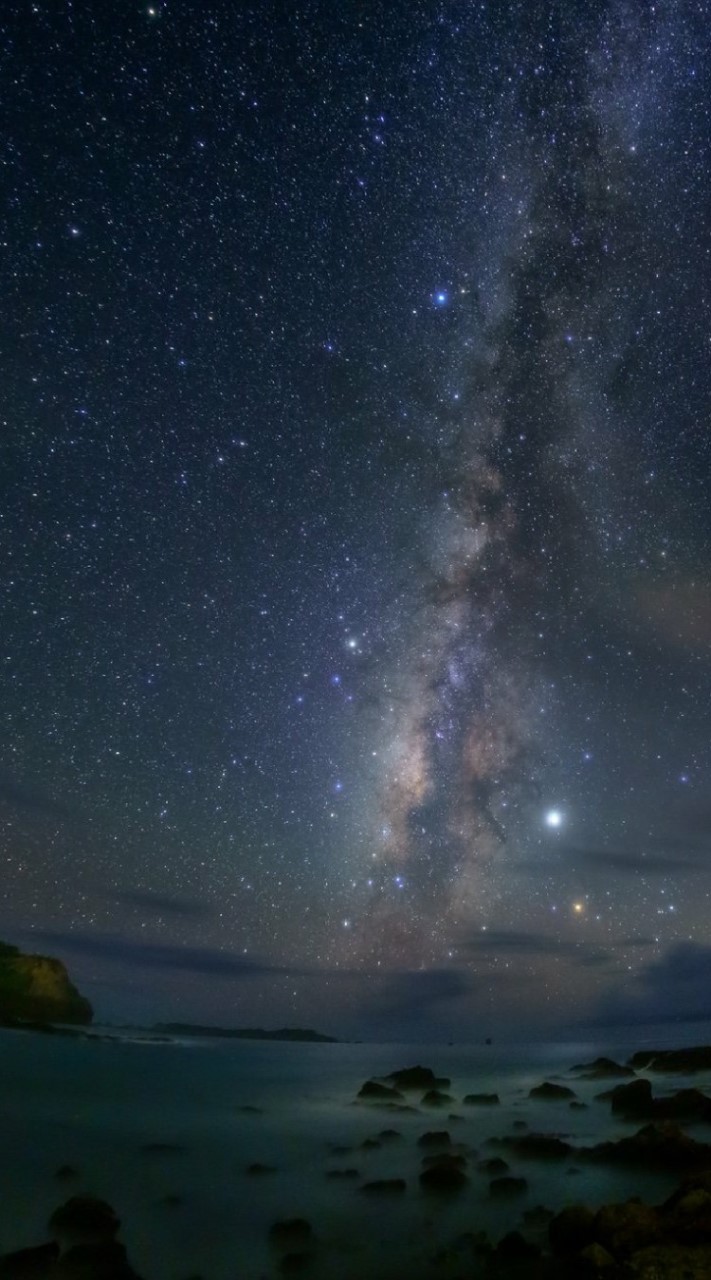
<point x="356" y="531"/>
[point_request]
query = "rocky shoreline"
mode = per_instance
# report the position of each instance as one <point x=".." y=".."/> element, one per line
<point x="629" y="1239"/>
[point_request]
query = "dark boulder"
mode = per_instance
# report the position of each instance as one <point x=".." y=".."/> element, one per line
<point x="624" y="1228"/>
<point x="416" y="1078"/>
<point x="106" y="1261"/>
<point x="657" y="1146"/>
<point x="684" y="1060"/>
<point x="601" y="1069"/>
<point x="259" y="1170"/>
<point x="374" y="1091"/>
<point x="495" y="1167"/>
<point x="29" y="1264"/>
<point x="291" y="1233"/>
<point x="571" y="1230"/>
<point x="435" y="1138"/>
<point x="594" y="1261"/>
<point x="435" y="1098"/>
<point x="536" y="1146"/>
<point x="514" y="1248"/>
<point x="454" y="1158"/>
<point x="291" y="1264"/>
<point x="444" y="1173"/>
<point x="345" y="1174"/>
<point x="83" y="1220"/>
<point x="389" y="1135"/>
<point x="686" y="1215"/>
<point x="481" y="1100"/>
<point x="635" y="1101"/>
<point x="549" y="1092"/>
<point x="507" y="1187"/>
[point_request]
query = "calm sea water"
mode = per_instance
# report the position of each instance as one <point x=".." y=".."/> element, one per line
<point x="94" y="1105"/>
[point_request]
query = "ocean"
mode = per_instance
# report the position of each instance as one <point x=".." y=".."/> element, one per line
<point x="211" y="1108"/>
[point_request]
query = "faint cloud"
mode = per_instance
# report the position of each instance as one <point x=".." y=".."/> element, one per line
<point x="162" y="903"/>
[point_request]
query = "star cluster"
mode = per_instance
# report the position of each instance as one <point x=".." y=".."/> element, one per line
<point x="356" y="591"/>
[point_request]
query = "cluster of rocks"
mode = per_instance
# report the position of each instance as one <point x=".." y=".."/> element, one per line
<point x="391" y="1091"/>
<point x="83" y="1246"/>
<point x="671" y="1241"/>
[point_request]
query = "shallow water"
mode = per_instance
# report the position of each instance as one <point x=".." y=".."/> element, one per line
<point x="94" y="1104"/>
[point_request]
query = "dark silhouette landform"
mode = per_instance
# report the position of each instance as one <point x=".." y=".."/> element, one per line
<point x="36" y="991"/>
<point x="246" y="1033"/>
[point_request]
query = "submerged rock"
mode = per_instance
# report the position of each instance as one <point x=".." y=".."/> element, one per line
<point x="83" y="1220"/>
<point x="662" y="1146"/>
<point x="513" y="1247"/>
<point x="289" y="1233"/>
<point x="444" y="1173"/>
<point x="697" y="1059"/>
<point x="28" y="1264"/>
<point x="435" y="1098"/>
<point x="105" y="1261"/>
<point x="344" y="1174"/>
<point x="495" y="1167"/>
<point x="292" y="1263"/>
<point x="374" y="1091"/>
<point x="416" y="1078"/>
<point x="536" y="1146"/>
<point x="601" y="1069"/>
<point x="549" y="1092"/>
<point x="503" y="1188"/>
<point x="435" y="1138"/>
<point x="481" y="1100"/>
<point x="385" y="1186"/>
<point x="258" y="1170"/>
<point x="456" y="1159"/>
<point x="636" y="1102"/>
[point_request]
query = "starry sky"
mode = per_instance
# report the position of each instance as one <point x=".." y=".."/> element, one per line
<point x="354" y="524"/>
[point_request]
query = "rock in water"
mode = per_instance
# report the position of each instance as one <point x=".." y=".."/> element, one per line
<point x="417" y="1078"/>
<point x="698" y="1059"/>
<point x="373" y="1091"/>
<point x="37" y="989"/>
<point x="551" y="1092"/>
<point x="502" y="1188"/>
<point x="83" y="1220"/>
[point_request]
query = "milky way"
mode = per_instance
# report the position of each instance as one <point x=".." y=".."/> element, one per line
<point x="355" y="511"/>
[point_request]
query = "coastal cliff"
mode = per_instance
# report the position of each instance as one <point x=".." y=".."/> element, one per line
<point x="38" y="989"/>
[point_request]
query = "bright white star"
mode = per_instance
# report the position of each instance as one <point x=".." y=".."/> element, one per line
<point x="554" y="818"/>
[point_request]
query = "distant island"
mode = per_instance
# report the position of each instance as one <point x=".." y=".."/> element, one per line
<point x="37" y="990"/>
<point x="248" y="1033"/>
